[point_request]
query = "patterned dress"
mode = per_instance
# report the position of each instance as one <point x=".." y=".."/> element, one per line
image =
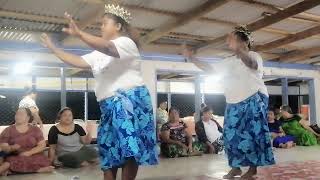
<point x="127" y="129"/>
<point x="292" y="127"/>
<point x="27" y="141"/>
<point x="246" y="133"/>
<point x="177" y="133"/>
<point x="275" y="128"/>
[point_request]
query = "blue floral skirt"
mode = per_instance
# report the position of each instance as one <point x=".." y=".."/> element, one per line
<point x="127" y="129"/>
<point x="246" y="133"/>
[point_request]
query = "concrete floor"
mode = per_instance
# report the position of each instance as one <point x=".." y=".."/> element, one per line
<point x="214" y="166"/>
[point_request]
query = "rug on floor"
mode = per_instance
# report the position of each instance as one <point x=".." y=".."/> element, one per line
<point x="309" y="170"/>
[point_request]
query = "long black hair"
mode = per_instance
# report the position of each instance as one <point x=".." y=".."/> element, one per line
<point x="126" y="29"/>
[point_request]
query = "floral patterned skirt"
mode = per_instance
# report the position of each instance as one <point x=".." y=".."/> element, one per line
<point x="246" y="133"/>
<point x="127" y="129"/>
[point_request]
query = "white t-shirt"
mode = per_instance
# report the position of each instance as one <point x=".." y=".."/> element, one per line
<point x="112" y="74"/>
<point x="212" y="131"/>
<point x="27" y="102"/>
<point x="240" y="81"/>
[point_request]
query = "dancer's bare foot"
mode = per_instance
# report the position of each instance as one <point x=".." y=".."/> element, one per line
<point x="48" y="169"/>
<point x="233" y="173"/>
<point x="249" y="174"/>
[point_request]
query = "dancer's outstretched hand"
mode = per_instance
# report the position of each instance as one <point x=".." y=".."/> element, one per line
<point x="73" y="29"/>
<point x="46" y="41"/>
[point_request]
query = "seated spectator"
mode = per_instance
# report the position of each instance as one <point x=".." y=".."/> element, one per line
<point x="26" y="145"/>
<point x="68" y="142"/>
<point x="4" y="166"/>
<point x="176" y="141"/>
<point x="161" y="116"/>
<point x="279" y="138"/>
<point x="294" y="126"/>
<point x="209" y="132"/>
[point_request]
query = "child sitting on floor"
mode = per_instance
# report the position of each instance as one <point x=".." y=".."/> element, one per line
<point x="279" y="138"/>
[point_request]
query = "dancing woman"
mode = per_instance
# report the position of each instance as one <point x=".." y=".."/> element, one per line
<point x="126" y="135"/>
<point x="246" y="133"/>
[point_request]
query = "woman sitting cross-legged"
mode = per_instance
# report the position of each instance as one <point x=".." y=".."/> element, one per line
<point x="279" y="138"/>
<point x="176" y="140"/>
<point x="26" y="145"/>
<point x="68" y="142"/>
<point x="293" y="125"/>
<point x="209" y="132"/>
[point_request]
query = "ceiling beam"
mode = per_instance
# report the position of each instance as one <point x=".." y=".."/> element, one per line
<point x="286" y="13"/>
<point x="289" y="39"/>
<point x="269" y="20"/>
<point x="304" y="16"/>
<point x="299" y="55"/>
<point x="182" y="20"/>
<point x="167" y="76"/>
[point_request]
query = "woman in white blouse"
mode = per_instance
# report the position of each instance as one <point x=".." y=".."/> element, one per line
<point x="246" y="133"/>
<point x="126" y="135"/>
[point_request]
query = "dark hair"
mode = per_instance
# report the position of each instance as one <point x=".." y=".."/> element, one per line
<point x="126" y="29"/>
<point x="62" y="111"/>
<point x="243" y="37"/>
<point x="29" y="114"/>
<point x="286" y="108"/>
<point x="243" y="34"/>
<point x="29" y="90"/>
<point x="173" y="109"/>
<point x="205" y="109"/>
<point x="203" y="105"/>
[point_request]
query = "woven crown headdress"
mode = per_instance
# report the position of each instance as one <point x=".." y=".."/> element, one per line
<point x="243" y="29"/>
<point x="118" y="11"/>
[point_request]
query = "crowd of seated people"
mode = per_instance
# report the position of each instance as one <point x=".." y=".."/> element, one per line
<point x="278" y="136"/>
<point x="22" y="145"/>
<point x="291" y="129"/>
<point x="295" y="125"/>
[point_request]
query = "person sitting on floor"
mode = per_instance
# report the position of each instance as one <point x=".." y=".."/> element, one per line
<point x="279" y="138"/>
<point x="294" y="126"/>
<point x="68" y="142"/>
<point x="26" y="145"/>
<point x="176" y="141"/>
<point x="209" y="132"/>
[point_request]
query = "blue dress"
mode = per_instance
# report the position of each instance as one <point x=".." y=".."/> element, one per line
<point x="246" y="133"/>
<point x="127" y="129"/>
<point x="275" y="128"/>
